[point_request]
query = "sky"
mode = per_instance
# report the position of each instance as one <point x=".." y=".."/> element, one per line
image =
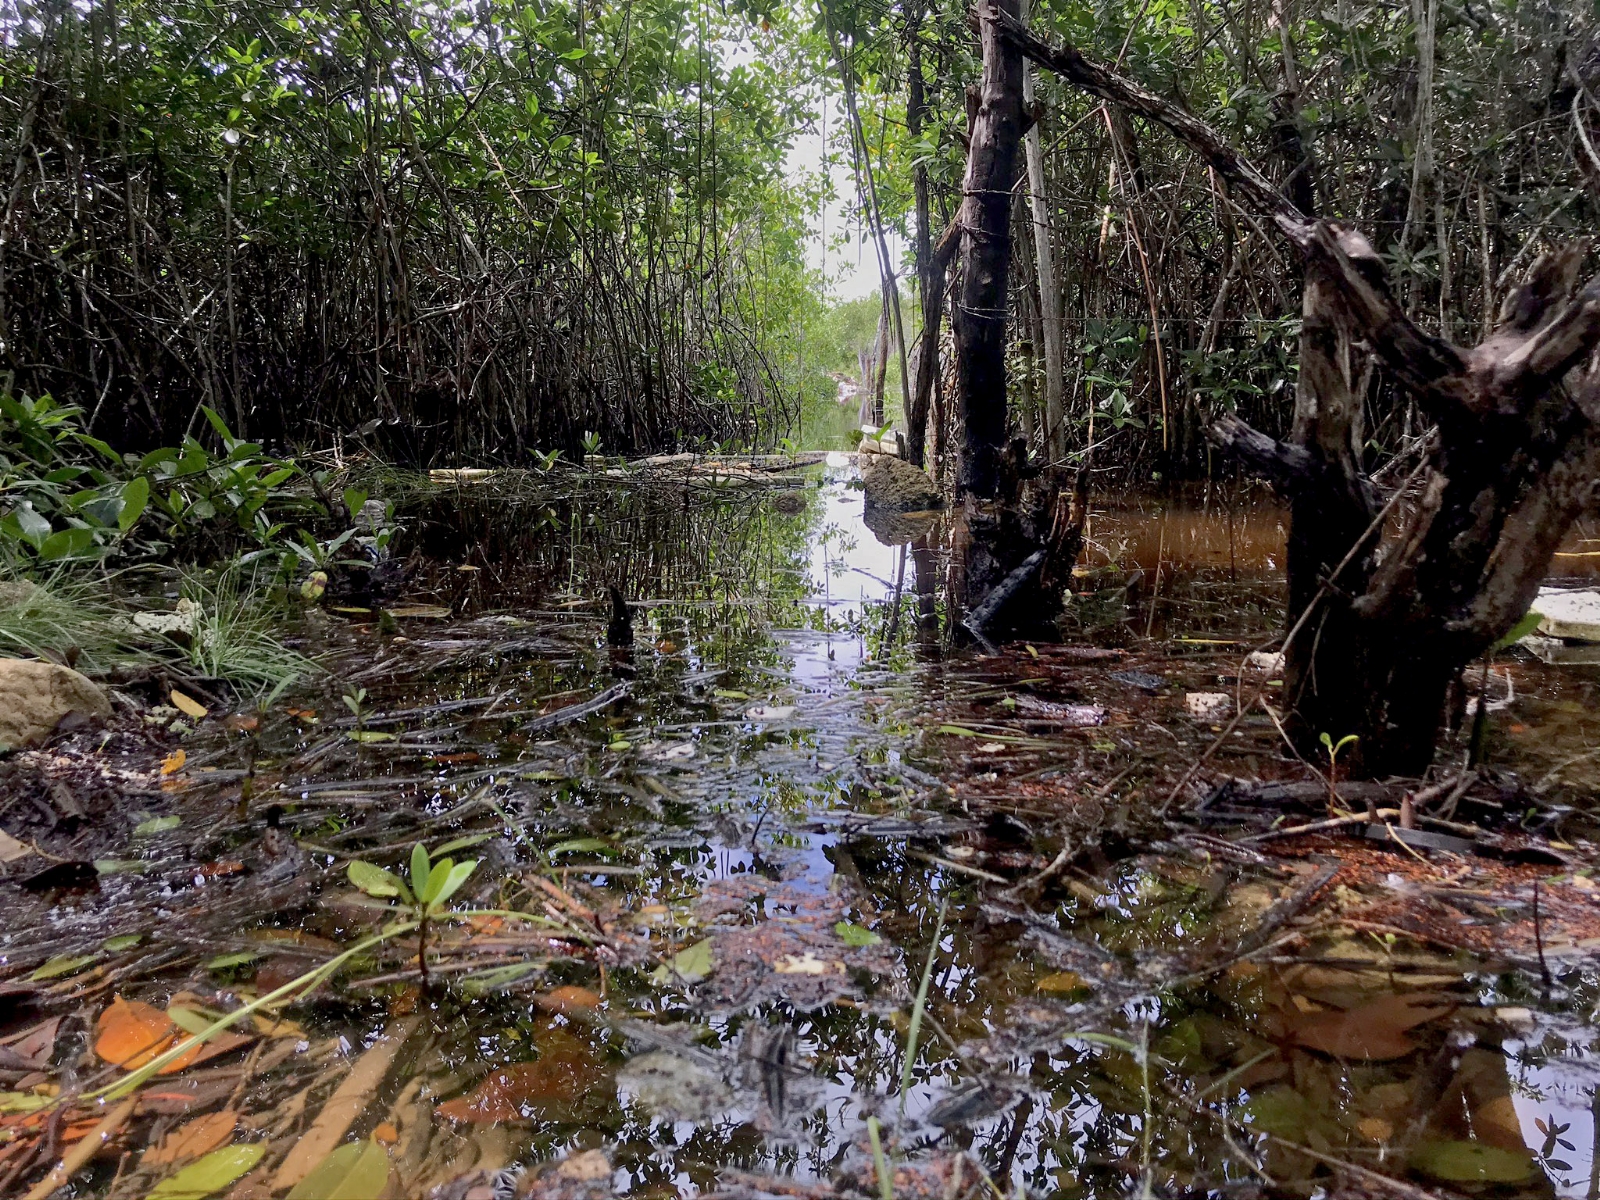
<point x="853" y="266"/>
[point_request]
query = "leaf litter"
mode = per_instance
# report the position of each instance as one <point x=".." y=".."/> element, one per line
<point x="703" y="893"/>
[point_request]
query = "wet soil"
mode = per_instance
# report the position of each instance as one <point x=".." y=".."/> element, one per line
<point x="691" y="955"/>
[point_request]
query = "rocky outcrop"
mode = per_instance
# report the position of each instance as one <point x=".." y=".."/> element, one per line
<point x="895" y="485"/>
<point x="35" y="696"/>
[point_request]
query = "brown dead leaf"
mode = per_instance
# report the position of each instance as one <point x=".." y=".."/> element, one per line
<point x="192" y="1139"/>
<point x="566" y="1070"/>
<point x="1374" y="1031"/>
<point x="242" y="723"/>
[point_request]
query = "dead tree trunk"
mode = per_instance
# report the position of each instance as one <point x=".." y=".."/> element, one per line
<point x="978" y="318"/>
<point x="1380" y="626"/>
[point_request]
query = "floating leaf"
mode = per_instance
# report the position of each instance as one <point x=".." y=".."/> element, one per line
<point x="121" y="942"/>
<point x="482" y="983"/>
<point x="192" y="1139"/>
<point x="131" y="1033"/>
<point x="729" y="694"/>
<point x="855" y="935"/>
<point x="209" y="1175"/>
<point x="367" y="736"/>
<point x="173" y="763"/>
<point x="188" y="705"/>
<point x="420" y="612"/>
<point x="62" y="964"/>
<point x="1375" y="1031"/>
<point x="375" y="881"/>
<point x="806" y="964"/>
<point x="691" y="964"/>
<point x="585" y="845"/>
<point x="156" y="825"/>
<point x="1471" y="1162"/>
<point x="355" y="1171"/>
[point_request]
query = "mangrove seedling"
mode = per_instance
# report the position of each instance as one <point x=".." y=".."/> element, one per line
<point x="432" y="886"/>
<point x="1334" y="749"/>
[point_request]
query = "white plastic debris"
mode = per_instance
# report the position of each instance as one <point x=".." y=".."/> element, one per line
<point x="1207" y="706"/>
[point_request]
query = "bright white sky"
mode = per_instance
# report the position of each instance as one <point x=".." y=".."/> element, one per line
<point x="852" y="266"/>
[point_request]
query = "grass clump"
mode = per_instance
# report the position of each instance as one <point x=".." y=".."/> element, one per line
<point x="64" y="616"/>
<point x="234" y="634"/>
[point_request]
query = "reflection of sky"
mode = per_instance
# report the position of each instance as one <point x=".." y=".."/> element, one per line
<point x="1559" y="1091"/>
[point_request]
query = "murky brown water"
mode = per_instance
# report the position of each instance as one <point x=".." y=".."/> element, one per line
<point x="732" y="881"/>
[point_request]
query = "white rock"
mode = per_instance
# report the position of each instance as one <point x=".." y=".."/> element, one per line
<point x="1207" y="706"/>
<point x="1265" y="660"/>
<point x="1574" y="615"/>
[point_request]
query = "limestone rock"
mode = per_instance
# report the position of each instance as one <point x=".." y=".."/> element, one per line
<point x="896" y="485"/>
<point x="34" y="696"/>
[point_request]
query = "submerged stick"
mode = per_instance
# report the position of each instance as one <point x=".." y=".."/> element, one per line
<point x="576" y="712"/>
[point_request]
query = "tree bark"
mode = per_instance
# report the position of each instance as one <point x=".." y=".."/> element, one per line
<point x="979" y="316"/>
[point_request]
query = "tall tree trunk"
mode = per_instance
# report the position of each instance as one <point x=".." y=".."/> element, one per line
<point x="979" y="316"/>
<point x="1049" y="292"/>
<point x="930" y="281"/>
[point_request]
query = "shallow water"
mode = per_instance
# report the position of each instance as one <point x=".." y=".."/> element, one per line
<point x="805" y="800"/>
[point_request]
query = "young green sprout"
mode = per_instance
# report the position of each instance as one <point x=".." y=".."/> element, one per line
<point x="431" y="887"/>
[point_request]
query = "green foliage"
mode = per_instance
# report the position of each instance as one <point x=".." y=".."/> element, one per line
<point x="69" y="495"/>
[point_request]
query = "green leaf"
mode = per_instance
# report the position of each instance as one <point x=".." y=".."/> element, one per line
<point x="1471" y="1162"/>
<point x="458" y="875"/>
<point x="484" y="982"/>
<point x="121" y="942"/>
<point x="690" y="965"/>
<point x="584" y="845"/>
<point x="192" y="1020"/>
<point x="65" y="543"/>
<point x="156" y="825"/>
<point x="419" y="870"/>
<point x="438" y="874"/>
<point x="355" y="1171"/>
<point x="1530" y="622"/>
<point x="223" y="961"/>
<point x="33" y="527"/>
<point x="855" y="935"/>
<point x="369" y="735"/>
<point x="62" y="964"/>
<point x="353" y="499"/>
<point x="462" y="843"/>
<point x="210" y="1174"/>
<point x="135" y="496"/>
<point x="958" y="731"/>
<point x="375" y="881"/>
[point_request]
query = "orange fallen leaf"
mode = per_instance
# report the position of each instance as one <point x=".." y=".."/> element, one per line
<point x="242" y="723"/>
<point x="386" y="1134"/>
<point x="132" y="1033"/>
<point x="469" y="756"/>
<point x="565" y="1071"/>
<point x="173" y="763"/>
<point x="567" y="1000"/>
<point x="192" y="1139"/>
<point x="219" y="869"/>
